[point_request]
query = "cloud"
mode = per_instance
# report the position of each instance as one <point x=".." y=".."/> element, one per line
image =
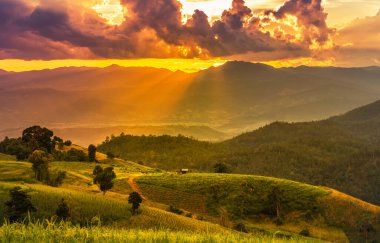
<point x="358" y="43"/>
<point x="53" y="29"/>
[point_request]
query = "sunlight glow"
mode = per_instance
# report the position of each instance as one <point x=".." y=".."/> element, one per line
<point x="185" y="65"/>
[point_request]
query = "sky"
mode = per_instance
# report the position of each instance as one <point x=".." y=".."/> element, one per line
<point x="188" y="35"/>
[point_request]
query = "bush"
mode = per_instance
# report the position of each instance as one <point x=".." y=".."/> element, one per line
<point x="19" y="205"/>
<point x="67" y="143"/>
<point x="110" y="155"/>
<point x="189" y="215"/>
<point x="279" y="221"/>
<point x="221" y="168"/>
<point x="241" y="227"/>
<point x="58" y="180"/>
<point x="305" y="232"/>
<point x="63" y="210"/>
<point x="175" y="210"/>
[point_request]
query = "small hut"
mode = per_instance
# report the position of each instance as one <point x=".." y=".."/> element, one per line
<point x="184" y="171"/>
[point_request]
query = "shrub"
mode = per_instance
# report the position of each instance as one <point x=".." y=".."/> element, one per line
<point x="63" y="210"/>
<point x="67" y="143"/>
<point x="175" y="210"/>
<point x="305" y="232"/>
<point x="221" y="168"/>
<point x="241" y="227"/>
<point x="19" y="205"/>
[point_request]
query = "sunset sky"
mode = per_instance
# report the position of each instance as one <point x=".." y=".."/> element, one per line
<point x="188" y="35"/>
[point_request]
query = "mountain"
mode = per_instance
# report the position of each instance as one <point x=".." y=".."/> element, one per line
<point x="231" y="98"/>
<point x="330" y="152"/>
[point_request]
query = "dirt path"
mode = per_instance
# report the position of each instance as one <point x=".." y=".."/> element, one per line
<point x="132" y="183"/>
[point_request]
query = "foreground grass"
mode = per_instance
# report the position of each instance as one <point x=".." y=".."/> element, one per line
<point x="64" y="232"/>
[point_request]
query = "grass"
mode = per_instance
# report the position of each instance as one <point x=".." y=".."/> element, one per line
<point x="225" y="189"/>
<point x="218" y="199"/>
<point x="39" y="233"/>
<point x="6" y="157"/>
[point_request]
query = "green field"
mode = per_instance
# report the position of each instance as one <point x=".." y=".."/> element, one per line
<point x="36" y="233"/>
<point x="212" y="203"/>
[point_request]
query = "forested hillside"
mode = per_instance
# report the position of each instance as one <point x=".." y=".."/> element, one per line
<point x="334" y="152"/>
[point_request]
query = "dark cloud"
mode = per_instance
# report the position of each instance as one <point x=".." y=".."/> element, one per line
<point x="153" y="28"/>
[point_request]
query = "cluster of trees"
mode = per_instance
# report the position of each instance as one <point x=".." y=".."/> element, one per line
<point x="40" y="165"/>
<point x="42" y="139"/>
<point x="20" y="205"/>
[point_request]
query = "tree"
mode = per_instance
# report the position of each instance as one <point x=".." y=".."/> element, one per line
<point x="63" y="210"/>
<point x="38" y="138"/>
<point x="96" y="172"/>
<point x="135" y="199"/>
<point x="110" y="155"/>
<point x="220" y="168"/>
<point x="19" y="205"/>
<point x="275" y="204"/>
<point x="40" y="166"/>
<point x="58" y="180"/>
<point x="92" y="153"/>
<point x="104" y="178"/>
<point x="67" y="143"/>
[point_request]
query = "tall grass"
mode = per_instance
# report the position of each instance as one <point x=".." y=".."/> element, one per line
<point x="41" y="232"/>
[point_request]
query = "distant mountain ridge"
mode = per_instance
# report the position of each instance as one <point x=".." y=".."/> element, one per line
<point x="231" y="98"/>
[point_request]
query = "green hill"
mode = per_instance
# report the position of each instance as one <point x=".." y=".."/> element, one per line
<point x="335" y="153"/>
<point x="104" y="215"/>
<point x="228" y="199"/>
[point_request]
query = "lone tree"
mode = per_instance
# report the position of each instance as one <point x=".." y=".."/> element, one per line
<point x="104" y="178"/>
<point x="135" y="199"/>
<point x="221" y="168"/>
<point x="40" y="162"/>
<point x="63" y="210"/>
<point x="19" y="205"/>
<point x="92" y="153"/>
<point x="39" y="138"/>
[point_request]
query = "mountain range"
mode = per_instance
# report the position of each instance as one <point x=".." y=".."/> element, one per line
<point x="231" y="98"/>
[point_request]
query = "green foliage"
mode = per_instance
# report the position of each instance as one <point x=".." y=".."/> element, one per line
<point x="57" y="180"/>
<point x="67" y="143"/>
<point x="305" y="232"/>
<point x="92" y="153"/>
<point x="40" y="162"/>
<point x="19" y="205"/>
<point x="135" y="199"/>
<point x="221" y="168"/>
<point x="242" y="196"/>
<point x="327" y="153"/>
<point x="38" y="138"/>
<point x="42" y="232"/>
<point x="175" y="210"/>
<point x="63" y="210"/>
<point x="16" y="147"/>
<point x="104" y="178"/>
<point x="110" y="155"/>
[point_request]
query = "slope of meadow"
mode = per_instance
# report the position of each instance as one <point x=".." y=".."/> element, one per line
<point x="229" y="199"/>
<point x="213" y="203"/>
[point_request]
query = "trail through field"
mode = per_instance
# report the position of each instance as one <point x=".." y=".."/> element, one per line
<point x="134" y="187"/>
<point x="79" y="175"/>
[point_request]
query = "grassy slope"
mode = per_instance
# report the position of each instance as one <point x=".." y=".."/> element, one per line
<point x="324" y="212"/>
<point x="193" y="192"/>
